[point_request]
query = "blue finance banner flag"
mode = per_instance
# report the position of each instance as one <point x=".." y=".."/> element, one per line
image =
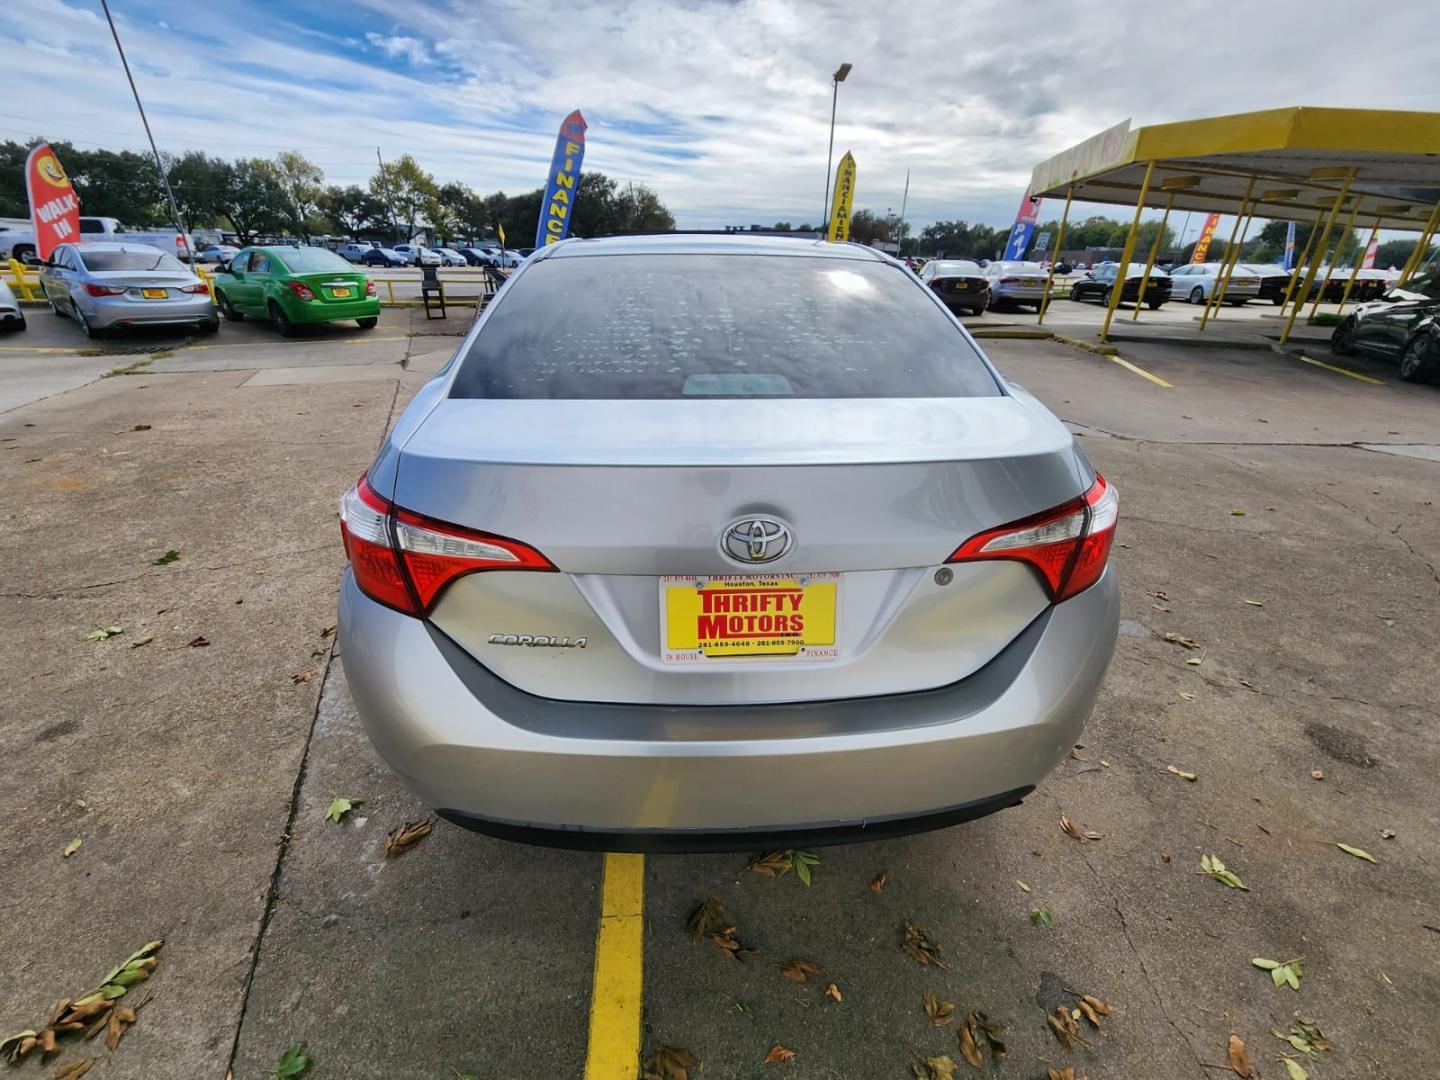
<point x="560" y="185"/>
<point x="1290" y="247"/>
<point x="1023" y="229"/>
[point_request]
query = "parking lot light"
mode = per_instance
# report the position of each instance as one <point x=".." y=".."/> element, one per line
<point x="840" y="74"/>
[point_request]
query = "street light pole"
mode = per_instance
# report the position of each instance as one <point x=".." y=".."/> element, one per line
<point x="839" y="77"/>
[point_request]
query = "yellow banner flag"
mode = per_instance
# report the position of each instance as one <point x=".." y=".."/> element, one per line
<point x="844" y="199"/>
<point x="500" y="231"/>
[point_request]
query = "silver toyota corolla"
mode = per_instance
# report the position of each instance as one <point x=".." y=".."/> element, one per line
<point x="723" y="543"/>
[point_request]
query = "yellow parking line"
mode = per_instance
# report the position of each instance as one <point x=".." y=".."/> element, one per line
<point x="614" y="1050"/>
<point x="1142" y="372"/>
<point x="1339" y="370"/>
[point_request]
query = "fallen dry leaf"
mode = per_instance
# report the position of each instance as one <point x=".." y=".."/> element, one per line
<point x="198" y="642"/>
<point x="1240" y="1058"/>
<point x="70" y="849"/>
<point x="779" y="1053"/>
<point x="980" y="1024"/>
<point x="968" y="1049"/>
<point x="833" y="991"/>
<point x="141" y="643"/>
<point x="669" y="1063"/>
<point x="1068" y="828"/>
<point x="1181" y="640"/>
<point x="404" y="837"/>
<point x="707" y="917"/>
<point x="1067" y="1073"/>
<point x="1317" y="774"/>
<point x="940" y="1012"/>
<point x="327" y="632"/>
<point x="1164" y="856"/>
<point x="302" y="676"/>
<point x="1098" y="1005"/>
<point x="1063" y="1025"/>
<point x="74" y="1070"/>
<point x="878" y="885"/>
<point x="771" y="863"/>
<point x="726" y="943"/>
<point x="918" y="944"/>
<point x="1181" y="773"/>
<point x="800" y="970"/>
<point x="941" y="1068"/>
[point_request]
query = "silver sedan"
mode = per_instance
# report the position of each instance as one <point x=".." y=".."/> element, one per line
<point x="103" y="286"/>
<point x="1016" y="283"/>
<point x="752" y="548"/>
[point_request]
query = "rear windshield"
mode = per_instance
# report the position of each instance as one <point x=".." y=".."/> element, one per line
<point x="678" y="326"/>
<point x="957" y="269"/>
<point x="311" y="260"/>
<point x="130" y="260"/>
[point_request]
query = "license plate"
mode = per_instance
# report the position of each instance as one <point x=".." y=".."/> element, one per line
<point x="962" y="286"/>
<point x="704" y="619"/>
<point x="1031" y="281"/>
<point x="153" y="294"/>
<point x="339" y="294"/>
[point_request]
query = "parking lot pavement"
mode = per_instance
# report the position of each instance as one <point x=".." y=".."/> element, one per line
<point x="1253" y="522"/>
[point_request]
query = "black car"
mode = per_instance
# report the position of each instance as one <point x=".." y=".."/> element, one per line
<point x="382" y="257"/>
<point x="1274" y="281"/>
<point x="476" y="257"/>
<point x="1402" y="324"/>
<point x="959" y="283"/>
<point x="1096" y="285"/>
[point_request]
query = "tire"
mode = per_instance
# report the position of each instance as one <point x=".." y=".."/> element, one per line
<point x="1197" y="295"/>
<point x="228" y="309"/>
<point x="1278" y="301"/>
<point x="281" y="322"/>
<point x="1075" y="293"/>
<point x="85" y="327"/>
<point x="368" y="323"/>
<point x="1342" y="341"/>
<point x="1420" y="360"/>
<point x="1154" y="305"/>
<point x="55" y="309"/>
<point x="22" y="252"/>
<point x="1235" y="303"/>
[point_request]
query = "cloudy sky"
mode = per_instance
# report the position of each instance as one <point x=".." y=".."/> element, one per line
<point x="723" y="106"/>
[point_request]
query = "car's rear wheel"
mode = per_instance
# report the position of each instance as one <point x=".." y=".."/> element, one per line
<point x="1075" y="293"/>
<point x="1197" y="295"/>
<point x="228" y="309"/>
<point x="1154" y="305"/>
<point x="281" y="321"/>
<point x="55" y="309"/>
<point x="85" y="327"/>
<point x="23" y="253"/>
<point x="368" y="323"/>
<point x="1342" y="341"/>
<point x="1420" y="362"/>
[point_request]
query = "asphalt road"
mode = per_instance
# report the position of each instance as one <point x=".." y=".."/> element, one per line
<point x="197" y="776"/>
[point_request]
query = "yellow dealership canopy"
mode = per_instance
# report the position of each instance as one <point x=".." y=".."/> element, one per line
<point x="1294" y="161"/>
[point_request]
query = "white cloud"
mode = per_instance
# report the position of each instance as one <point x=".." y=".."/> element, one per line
<point x="413" y="49"/>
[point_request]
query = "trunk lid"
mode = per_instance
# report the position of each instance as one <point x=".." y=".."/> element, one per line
<point x="876" y="493"/>
<point x="336" y="286"/>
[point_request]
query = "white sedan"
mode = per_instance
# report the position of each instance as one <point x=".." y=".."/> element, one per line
<point x="1195" y="282"/>
<point x="11" y="317"/>
<point x="217" y="253"/>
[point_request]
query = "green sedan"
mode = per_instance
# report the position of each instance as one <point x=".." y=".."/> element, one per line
<point x="292" y="286"/>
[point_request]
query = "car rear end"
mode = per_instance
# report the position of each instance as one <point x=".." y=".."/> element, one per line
<point x="11" y="317"/>
<point x="707" y="545"/>
<point x="960" y="286"/>
<point x="1019" y="283"/>
<point x="139" y="285"/>
<point x="1157" y="286"/>
<point x="322" y="287"/>
<point x="1273" y="282"/>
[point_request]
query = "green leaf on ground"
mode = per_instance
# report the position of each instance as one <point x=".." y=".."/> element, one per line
<point x="1040" y="916"/>
<point x="104" y="632"/>
<point x="1211" y="864"/>
<point x="339" y="807"/>
<point x="1356" y="852"/>
<point x="803" y="861"/>
<point x="293" y="1062"/>
<point x="1295" y="1070"/>
<point x="72" y="847"/>
<point x="164" y="560"/>
<point x="1237" y="513"/>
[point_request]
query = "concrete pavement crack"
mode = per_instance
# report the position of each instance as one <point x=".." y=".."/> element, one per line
<point x="283" y="848"/>
<point x="1395" y="532"/>
<point x="1139" y="959"/>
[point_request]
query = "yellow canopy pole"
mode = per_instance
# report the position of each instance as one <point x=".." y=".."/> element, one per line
<point x="1229" y="247"/>
<point x="1154" y="251"/>
<point x="1124" y="268"/>
<point x="1355" y="270"/>
<point x="1231" y="260"/>
<point x="1334" y="258"/>
<point x="1059" y="246"/>
<point x="1299" y="268"/>
<point x="1319" y="248"/>
<point x="1420" y="245"/>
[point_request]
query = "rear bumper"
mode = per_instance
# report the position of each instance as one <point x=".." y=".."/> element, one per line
<point x="317" y="312"/>
<point x="439" y="720"/>
<point x="105" y="312"/>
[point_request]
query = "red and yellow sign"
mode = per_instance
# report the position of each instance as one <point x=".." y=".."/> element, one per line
<point x="54" y="209"/>
<point x="722" y="617"/>
<point x="1202" y="245"/>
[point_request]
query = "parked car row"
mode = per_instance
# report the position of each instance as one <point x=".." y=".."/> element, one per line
<point x="108" y="285"/>
<point x="1403" y="324"/>
<point x="374" y="253"/>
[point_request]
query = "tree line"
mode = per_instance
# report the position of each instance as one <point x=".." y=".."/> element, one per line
<point x="288" y="195"/>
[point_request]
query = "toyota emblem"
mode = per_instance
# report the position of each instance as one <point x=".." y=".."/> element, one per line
<point x="756" y="540"/>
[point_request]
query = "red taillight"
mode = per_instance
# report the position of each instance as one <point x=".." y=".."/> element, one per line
<point x="1069" y="545"/>
<point x="198" y="287"/>
<point x="301" y="290"/>
<point x="405" y="560"/>
<point x="1009" y="281"/>
<point x="102" y="290"/>
<point x="369" y="287"/>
